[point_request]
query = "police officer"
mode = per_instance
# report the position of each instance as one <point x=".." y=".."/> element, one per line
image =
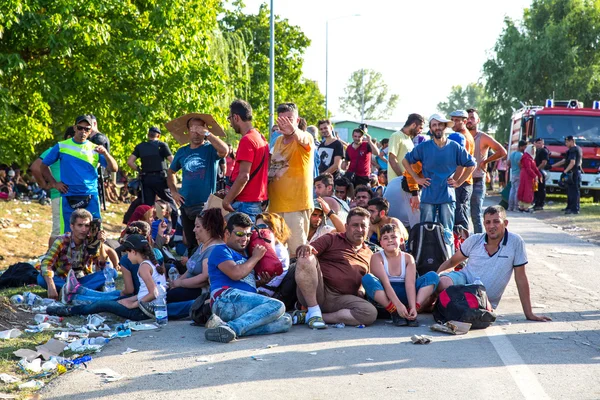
<point x="153" y="173"/>
<point x="573" y="160"/>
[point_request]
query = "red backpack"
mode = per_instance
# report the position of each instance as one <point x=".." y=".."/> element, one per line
<point x="270" y="262"/>
<point x="465" y="303"/>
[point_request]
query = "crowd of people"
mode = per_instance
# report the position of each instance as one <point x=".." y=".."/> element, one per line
<point x="304" y="229"/>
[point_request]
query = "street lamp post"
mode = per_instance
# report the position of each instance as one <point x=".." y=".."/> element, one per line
<point x="272" y="71"/>
<point x="327" y="59"/>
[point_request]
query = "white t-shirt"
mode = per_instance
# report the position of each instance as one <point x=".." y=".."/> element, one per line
<point x="494" y="270"/>
<point x="159" y="279"/>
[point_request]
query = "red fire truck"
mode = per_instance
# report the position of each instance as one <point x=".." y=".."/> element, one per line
<point x="554" y="122"/>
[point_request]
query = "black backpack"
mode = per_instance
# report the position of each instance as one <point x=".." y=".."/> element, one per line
<point x="17" y="275"/>
<point x="427" y="246"/>
<point x="465" y="303"/>
<point x="200" y="310"/>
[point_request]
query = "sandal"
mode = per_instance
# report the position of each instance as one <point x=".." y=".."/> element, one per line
<point x="317" y="322"/>
<point x="298" y="317"/>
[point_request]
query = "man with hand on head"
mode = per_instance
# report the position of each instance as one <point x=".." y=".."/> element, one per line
<point x="79" y="160"/>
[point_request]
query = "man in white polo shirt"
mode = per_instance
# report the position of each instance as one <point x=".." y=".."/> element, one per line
<point x="492" y="257"/>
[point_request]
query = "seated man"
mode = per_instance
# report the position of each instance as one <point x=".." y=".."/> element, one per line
<point x="378" y="208"/>
<point x="492" y="257"/>
<point x="71" y="252"/>
<point x="238" y="309"/>
<point x="317" y="223"/>
<point x="324" y="189"/>
<point x="329" y="274"/>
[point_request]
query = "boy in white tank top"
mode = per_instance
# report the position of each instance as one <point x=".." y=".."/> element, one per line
<point x="393" y="280"/>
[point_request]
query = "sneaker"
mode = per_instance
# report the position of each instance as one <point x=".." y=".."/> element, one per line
<point x="60" y="310"/>
<point x="398" y="320"/>
<point x="69" y="288"/>
<point x="221" y="334"/>
<point x="147" y="308"/>
<point x="213" y="322"/>
<point x="413" y="323"/>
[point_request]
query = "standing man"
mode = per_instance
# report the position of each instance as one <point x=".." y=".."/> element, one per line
<point x="291" y="176"/>
<point x="446" y="165"/>
<point x="358" y="155"/>
<point x="514" y="164"/>
<point x="572" y="171"/>
<point x="79" y="160"/>
<point x="199" y="162"/>
<point x="97" y="137"/>
<point x="330" y="150"/>
<point x="542" y="157"/>
<point x="401" y="142"/>
<point x="249" y="177"/>
<point x="154" y="155"/>
<point x="483" y="144"/>
<point x="464" y="191"/>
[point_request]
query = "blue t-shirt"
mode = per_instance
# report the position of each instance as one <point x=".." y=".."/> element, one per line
<point x="458" y="138"/>
<point x="80" y="176"/>
<point x="133" y="268"/>
<point x="439" y="163"/>
<point x="199" y="167"/>
<point x="272" y="138"/>
<point x="515" y="158"/>
<point x="218" y="279"/>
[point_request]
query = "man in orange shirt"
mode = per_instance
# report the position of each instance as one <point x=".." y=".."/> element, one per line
<point x="291" y="176"/>
<point x="464" y="192"/>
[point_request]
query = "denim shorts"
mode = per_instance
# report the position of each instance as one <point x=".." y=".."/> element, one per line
<point x="458" y="278"/>
<point x="372" y="284"/>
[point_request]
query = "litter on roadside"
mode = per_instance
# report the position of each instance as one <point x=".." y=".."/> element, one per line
<point x="452" y="327"/>
<point x="34" y="366"/>
<point x="32" y="385"/>
<point x="139" y="326"/>
<point x="270" y="346"/>
<point x="129" y="350"/>
<point x="257" y="358"/>
<point x="6" y="378"/>
<point x="10" y="334"/>
<point x="50" y="349"/>
<point x="108" y="374"/>
<point x="421" y="339"/>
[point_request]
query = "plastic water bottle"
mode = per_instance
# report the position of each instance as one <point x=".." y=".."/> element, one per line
<point x="109" y="280"/>
<point x="173" y="274"/>
<point x="39" y="318"/>
<point x="17" y="299"/>
<point x="32" y="299"/>
<point x="160" y="307"/>
<point x="477" y="281"/>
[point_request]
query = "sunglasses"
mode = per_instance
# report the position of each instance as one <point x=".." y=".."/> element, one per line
<point x="83" y="128"/>
<point x="241" y="234"/>
<point x="262" y="226"/>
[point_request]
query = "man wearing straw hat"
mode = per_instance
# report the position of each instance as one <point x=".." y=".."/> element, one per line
<point x="198" y="161"/>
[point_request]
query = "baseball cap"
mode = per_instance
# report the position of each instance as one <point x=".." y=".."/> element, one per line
<point x="82" y="118"/>
<point x="318" y="205"/>
<point x="133" y="242"/>
<point x="441" y="119"/>
<point x="460" y="114"/>
<point x="154" y="129"/>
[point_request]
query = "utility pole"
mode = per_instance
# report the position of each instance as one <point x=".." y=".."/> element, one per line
<point x="272" y="72"/>
<point x="362" y="97"/>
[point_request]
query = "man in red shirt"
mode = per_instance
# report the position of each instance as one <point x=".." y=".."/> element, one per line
<point x="358" y="154"/>
<point x="250" y="172"/>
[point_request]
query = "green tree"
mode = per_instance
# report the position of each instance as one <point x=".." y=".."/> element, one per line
<point x="131" y="63"/>
<point x="367" y="88"/>
<point x="472" y="96"/>
<point x="553" y="50"/>
<point x="290" y="45"/>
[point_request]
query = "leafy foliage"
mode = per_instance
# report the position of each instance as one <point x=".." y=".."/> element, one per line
<point x="472" y="96"/>
<point x="369" y="84"/>
<point x="554" y="51"/>
<point x="290" y="44"/>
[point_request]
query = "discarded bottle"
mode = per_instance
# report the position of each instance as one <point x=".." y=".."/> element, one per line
<point x="173" y="274"/>
<point x="17" y="299"/>
<point x="32" y="299"/>
<point x="81" y="360"/>
<point x="160" y="307"/>
<point x="88" y="342"/>
<point x="477" y="281"/>
<point x="39" y="318"/>
<point x="109" y="280"/>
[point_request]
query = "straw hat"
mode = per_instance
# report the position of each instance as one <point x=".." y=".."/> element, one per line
<point x="179" y="129"/>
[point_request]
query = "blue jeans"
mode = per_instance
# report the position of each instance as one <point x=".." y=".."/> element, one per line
<point x="457" y="277"/>
<point x="175" y="310"/>
<point x="93" y="281"/>
<point x="372" y="284"/>
<point x="463" y="205"/>
<point x="251" y="314"/>
<point x="444" y="214"/>
<point x="89" y="295"/>
<point x="512" y="197"/>
<point x="477" y="204"/>
<point x="251" y="208"/>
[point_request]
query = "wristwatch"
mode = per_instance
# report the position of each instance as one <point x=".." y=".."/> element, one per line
<point x="330" y="212"/>
<point x="207" y="134"/>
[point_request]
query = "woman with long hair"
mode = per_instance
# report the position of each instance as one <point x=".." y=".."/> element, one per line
<point x="209" y="230"/>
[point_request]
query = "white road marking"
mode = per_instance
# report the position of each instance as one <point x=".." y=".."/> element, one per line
<point x="525" y="379"/>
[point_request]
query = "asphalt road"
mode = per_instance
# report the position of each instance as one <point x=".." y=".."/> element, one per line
<point x="514" y="359"/>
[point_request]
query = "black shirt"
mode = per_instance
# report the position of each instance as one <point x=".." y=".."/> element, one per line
<point x="327" y="154"/>
<point x="541" y="155"/>
<point x="574" y="153"/>
<point x="153" y="154"/>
